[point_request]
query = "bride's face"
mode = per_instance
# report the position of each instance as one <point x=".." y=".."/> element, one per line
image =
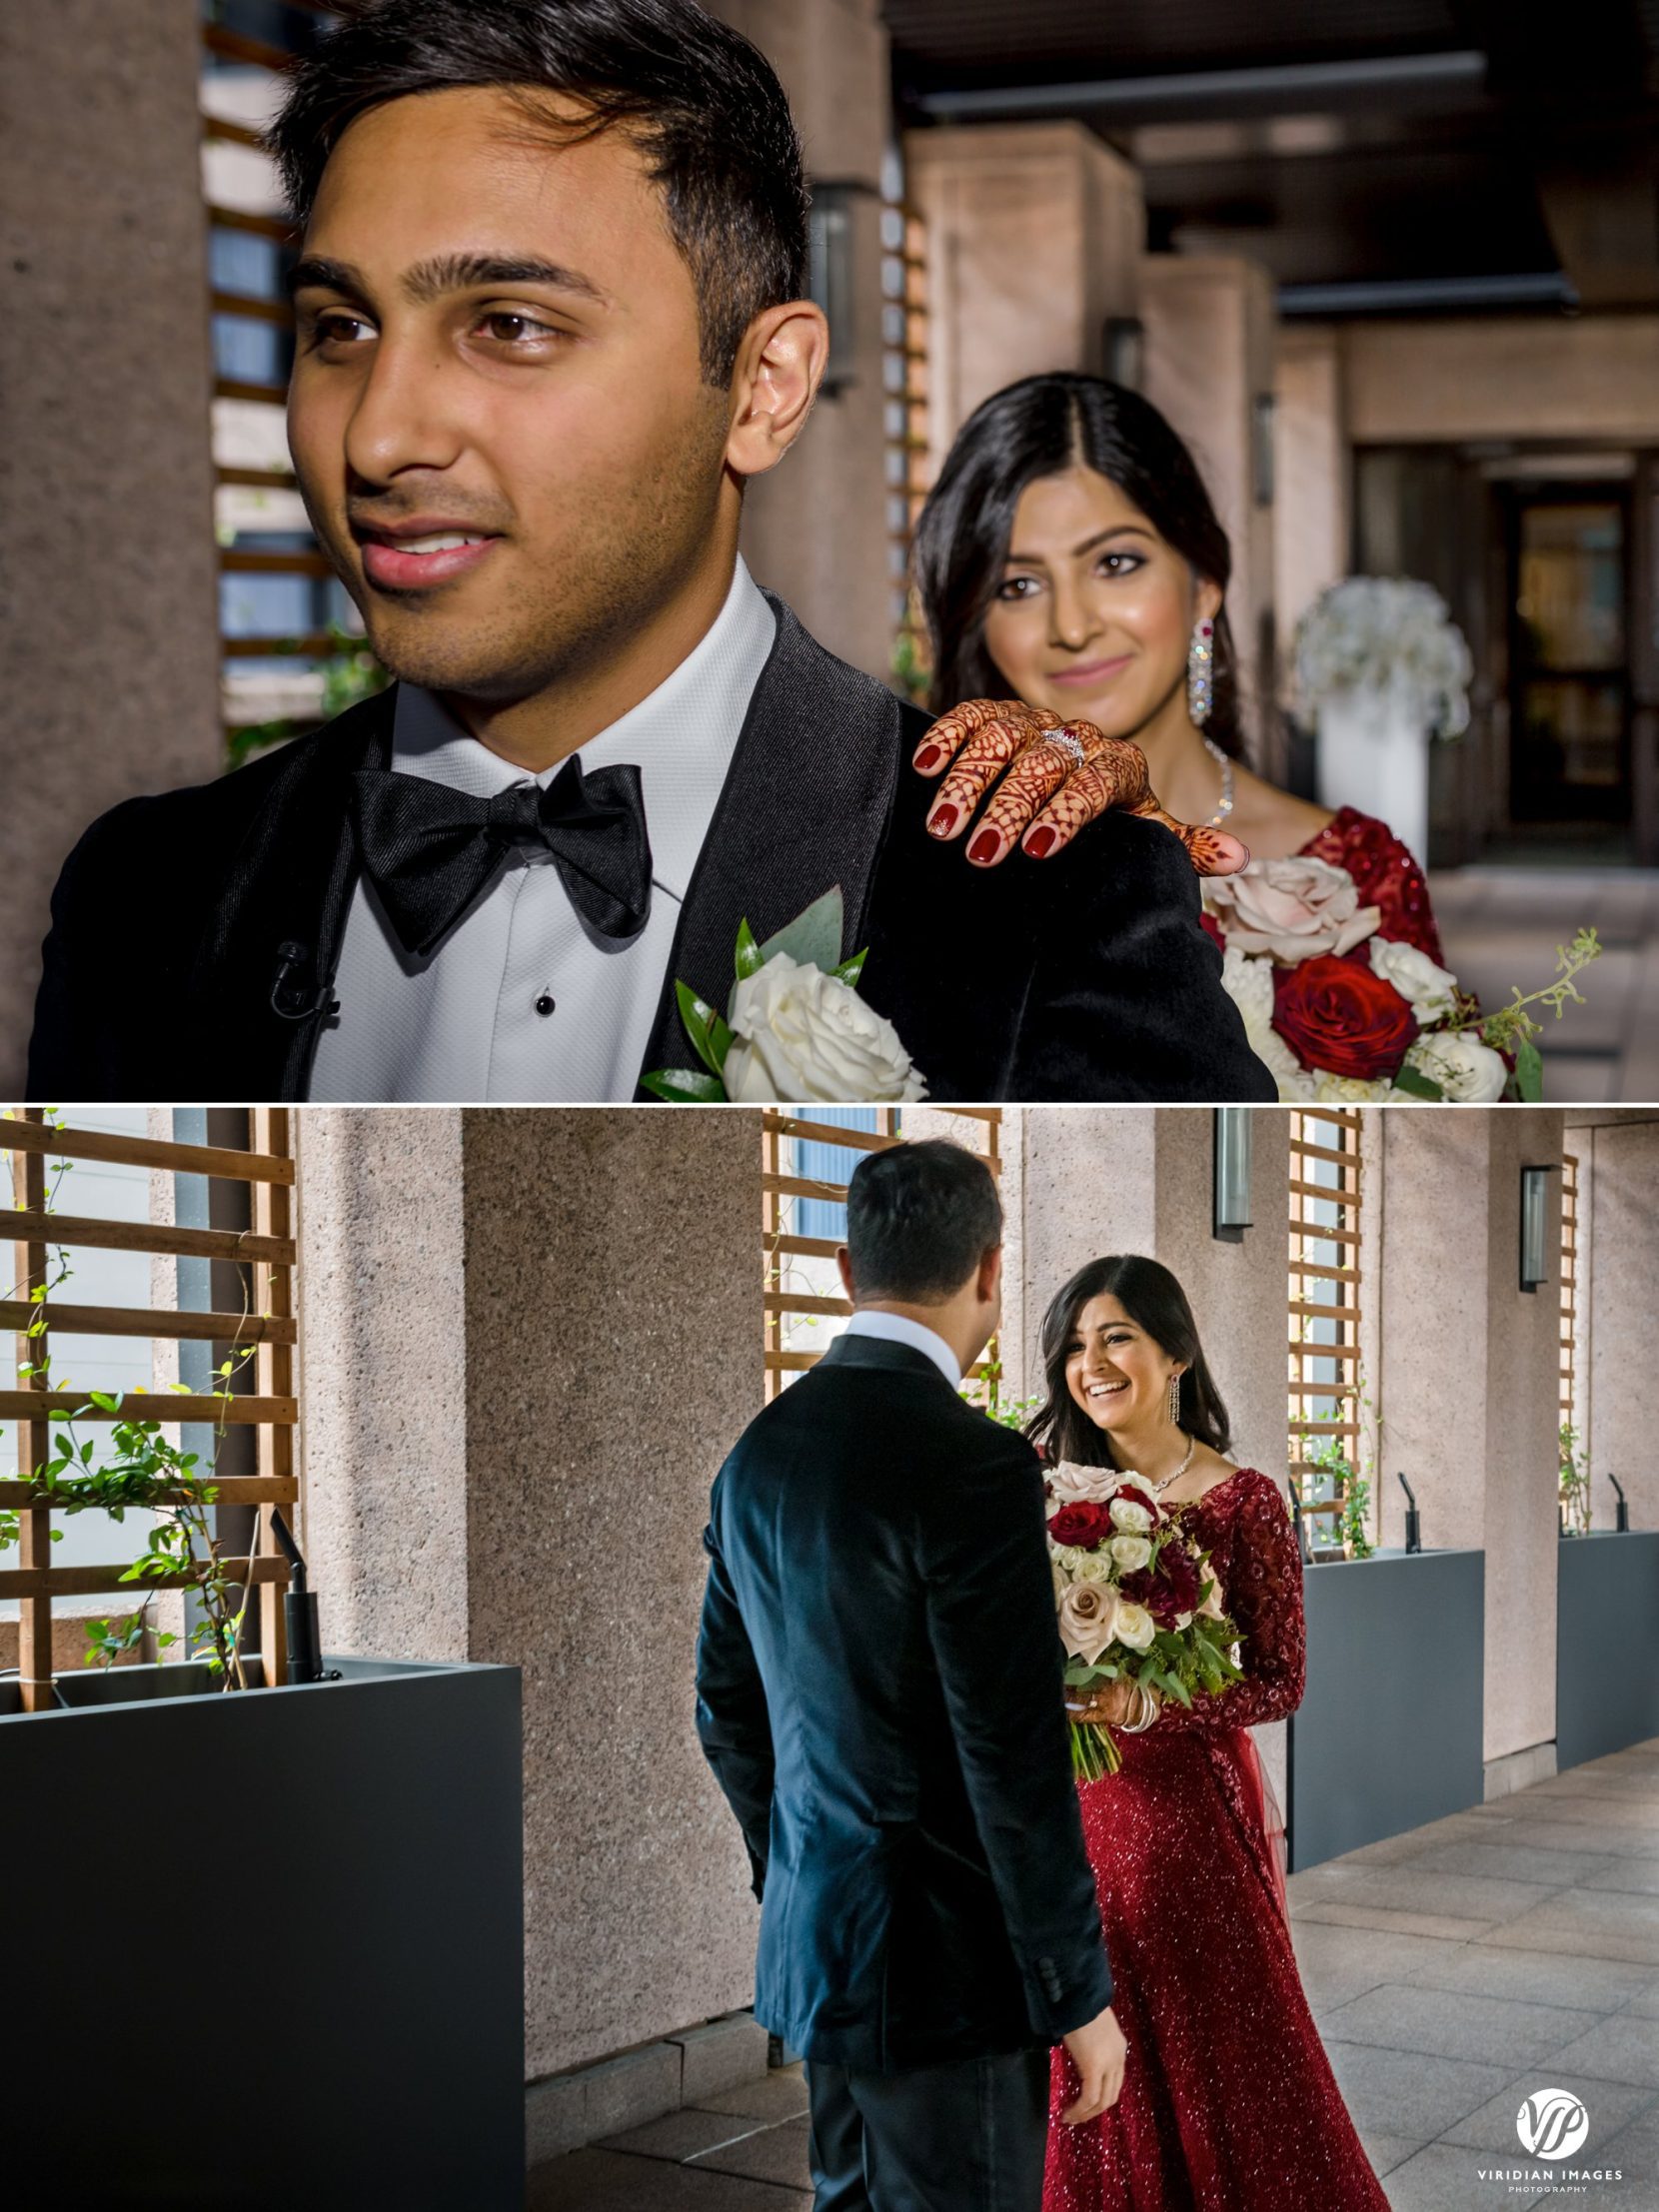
<point x="1114" y="1370"/>
<point x="1093" y="616"/>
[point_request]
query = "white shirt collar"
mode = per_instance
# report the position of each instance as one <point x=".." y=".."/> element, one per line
<point x="681" y="735"/>
<point x="901" y="1329"/>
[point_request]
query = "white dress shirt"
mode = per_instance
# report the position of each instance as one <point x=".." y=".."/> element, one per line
<point x="525" y="1000"/>
<point x="901" y="1329"/>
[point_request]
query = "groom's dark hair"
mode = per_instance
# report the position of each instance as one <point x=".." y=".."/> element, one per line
<point x="703" y="104"/>
<point x="919" y="1219"/>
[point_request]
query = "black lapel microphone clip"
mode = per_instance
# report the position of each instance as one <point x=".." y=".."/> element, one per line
<point x="289" y="1000"/>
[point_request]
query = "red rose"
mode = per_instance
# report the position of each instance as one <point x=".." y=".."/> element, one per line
<point x="1338" y="1014"/>
<point x="1084" y="1526"/>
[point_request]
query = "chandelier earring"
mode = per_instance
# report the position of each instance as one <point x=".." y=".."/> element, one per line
<point x="1201" y="661"/>
<point x="1175" y="1397"/>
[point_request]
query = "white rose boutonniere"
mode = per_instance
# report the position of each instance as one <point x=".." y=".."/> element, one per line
<point x="795" y="1029"/>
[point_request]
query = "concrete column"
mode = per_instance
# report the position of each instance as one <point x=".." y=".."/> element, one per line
<point x="1034" y="233"/>
<point x="1468" y="1383"/>
<point x="1619" y="1285"/>
<point x="1312" y="518"/>
<point x="815" y="529"/>
<point x="106" y="473"/>
<point x="529" y="1339"/>
<point x="1209" y="365"/>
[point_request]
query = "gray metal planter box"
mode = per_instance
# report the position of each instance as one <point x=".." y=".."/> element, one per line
<point x="265" y="1949"/>
<point x="1391" y="1732"/>
<point x="1606" y="1643"/>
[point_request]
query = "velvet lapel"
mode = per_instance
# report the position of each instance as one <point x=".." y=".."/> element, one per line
<point x="288" y="883"/>
<point x="804" y="806"/>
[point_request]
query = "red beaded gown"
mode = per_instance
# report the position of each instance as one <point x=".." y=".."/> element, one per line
<point x="1384" y="875"/>
<point x="1228" y="2102"/>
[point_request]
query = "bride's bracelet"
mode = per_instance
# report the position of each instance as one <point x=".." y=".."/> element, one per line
<point x="1147" y="1707"/>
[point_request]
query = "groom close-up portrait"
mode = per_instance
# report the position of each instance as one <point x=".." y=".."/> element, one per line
<point x="552" y="316"/>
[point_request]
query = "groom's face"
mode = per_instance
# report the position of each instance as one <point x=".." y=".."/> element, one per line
<point x="499" y="339"/>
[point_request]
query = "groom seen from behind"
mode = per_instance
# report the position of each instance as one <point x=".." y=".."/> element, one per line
<point x="550" y="321"/>
<point x="879" y="1695"/>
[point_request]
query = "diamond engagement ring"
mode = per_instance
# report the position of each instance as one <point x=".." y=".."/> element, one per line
<point x="1068" y="743"/>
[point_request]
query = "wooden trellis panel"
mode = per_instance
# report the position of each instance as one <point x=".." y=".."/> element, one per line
<point x="273" y="1409"/>
<point x="781" y="1303"/>
<point x="1325" y="1288"/>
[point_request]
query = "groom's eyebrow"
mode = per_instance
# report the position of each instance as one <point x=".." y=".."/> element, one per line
<point x="443" y="274"/>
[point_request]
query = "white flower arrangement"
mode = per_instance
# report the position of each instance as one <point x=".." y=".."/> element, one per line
<point x="1381" y="633"/>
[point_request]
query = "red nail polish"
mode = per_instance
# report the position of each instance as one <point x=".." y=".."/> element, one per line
<point x="987" y="845"/>
<point x="1040" y="841"/>
<point x="928" y="758"/>
<point x="943" y="820"/>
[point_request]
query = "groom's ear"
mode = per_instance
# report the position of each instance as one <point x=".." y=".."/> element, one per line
<point x="843" y="1263"/>
<point x="990" y="1274"/>
<point x="780" y="366"/>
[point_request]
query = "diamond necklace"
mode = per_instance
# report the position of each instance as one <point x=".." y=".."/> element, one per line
<point x="1176" y="1472"/>
<point x="1225" y="762"/>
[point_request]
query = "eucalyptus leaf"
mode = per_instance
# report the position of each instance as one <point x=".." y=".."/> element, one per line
<point x="813" y="939"/>
<point x="1529" y="1071"/>
<point x="683" y="1087"/>
<point x="1419" y="1085"/>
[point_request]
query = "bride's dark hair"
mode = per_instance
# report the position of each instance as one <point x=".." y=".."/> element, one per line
<point x="1155" y="1300"/>
<point x="1033" y="429"/>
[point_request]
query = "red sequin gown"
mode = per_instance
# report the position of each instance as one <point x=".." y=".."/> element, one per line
<point x="1384" y="874"/>
<point x="1228" y="2102"/>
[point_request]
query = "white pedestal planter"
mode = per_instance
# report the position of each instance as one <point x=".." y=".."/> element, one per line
<point x="1373" y="754"/>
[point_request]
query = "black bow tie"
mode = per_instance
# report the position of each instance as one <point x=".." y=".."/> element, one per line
<point x="433" y="852"/>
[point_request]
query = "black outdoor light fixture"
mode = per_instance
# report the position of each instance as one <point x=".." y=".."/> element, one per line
<point x="299" y="1606"/>
<point x="1621" y="1511"/>
<point x="1234" y="1142"/>
<point x="1534" y="1260"/>
<point x="1413" y="1528"/>
<point x="829" y="272"/>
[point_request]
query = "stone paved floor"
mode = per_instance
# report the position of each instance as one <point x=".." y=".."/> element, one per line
<point x="1500" y="927"/>
<point x="1453" y="1971"/>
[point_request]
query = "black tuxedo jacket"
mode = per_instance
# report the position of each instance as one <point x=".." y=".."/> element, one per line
<point x="879" y="1695"/>
<point x="195" y="935"/>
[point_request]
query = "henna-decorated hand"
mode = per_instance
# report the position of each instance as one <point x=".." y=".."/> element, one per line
<point x="1049" y="793"/>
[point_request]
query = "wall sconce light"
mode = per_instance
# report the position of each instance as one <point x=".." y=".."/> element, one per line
<point x="1534" y="1254"/>
<point x="830" y="273"/>
<point x="1234" y="1142"/>
<point x="1123" y="347"/>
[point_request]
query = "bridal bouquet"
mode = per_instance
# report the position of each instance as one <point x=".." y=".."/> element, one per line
<point x="1135" y="1596"/>
<point x="1341" y="1014"/>
<point x="795" y="1028"/>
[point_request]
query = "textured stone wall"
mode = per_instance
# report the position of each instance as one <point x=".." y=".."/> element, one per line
<point x="1468" y="1383"/>
<point x="109" y="651"/>
<point x="1619" y="1296"/>
<point x="382" y="1368"/>
<point x="612" y="1319"/>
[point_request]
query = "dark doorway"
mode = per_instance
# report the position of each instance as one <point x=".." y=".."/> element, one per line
<point x="1570" y="667"/>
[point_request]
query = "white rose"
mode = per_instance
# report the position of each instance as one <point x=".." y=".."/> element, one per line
<point x="1430" y="991"/>
<point x="1074" y="1484"/>
<point x="1130" y="1551"/>
<point x="1249" y="984"/>
<point x="1094" y="1567"/>
<point x="1134" y="1520"/>
<point x="1139" y="1481"/>
<point x="1135" y="1627"/>
<point x="1352" y="1090"/>
<point x="1293" y="908"/>
<point x="1061" y="1585"/>
<point x="799" y="1034"/>
<point x="1214" y="1605"/>
<point x="1464" y="1068"/>
<point x="1089" y="1614"/>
